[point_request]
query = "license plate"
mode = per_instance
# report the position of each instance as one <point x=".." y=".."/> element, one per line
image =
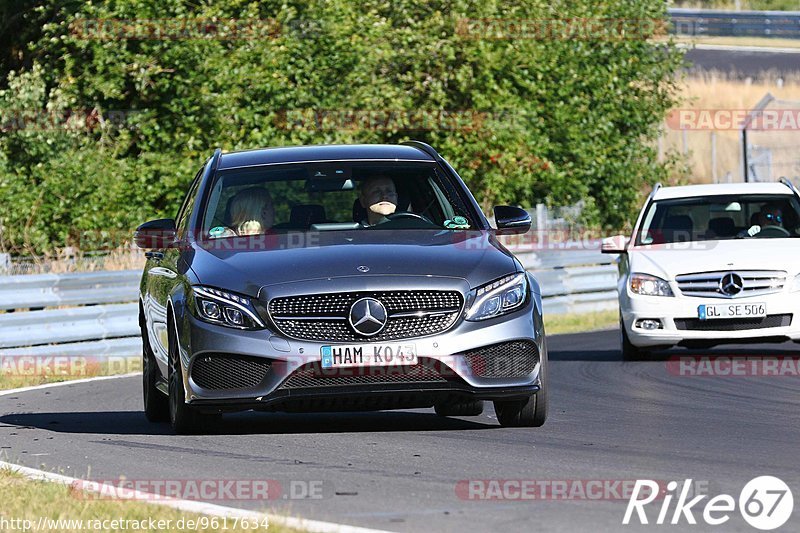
<point x="344" y="356"/>
<point x="741" y="310"/>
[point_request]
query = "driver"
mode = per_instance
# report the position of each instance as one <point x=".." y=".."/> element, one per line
<point x="768" y="215"/>
<point x="378" y="196"/>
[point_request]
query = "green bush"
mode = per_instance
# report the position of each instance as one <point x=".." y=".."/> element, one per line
<point x="547" y="120"/>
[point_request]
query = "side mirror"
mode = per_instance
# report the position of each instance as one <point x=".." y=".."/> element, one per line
<point x="156" y="234"/>
<point x="614" y="245"/>
<point x="511" y="220"/>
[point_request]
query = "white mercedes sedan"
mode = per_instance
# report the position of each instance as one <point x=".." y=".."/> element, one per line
<point x="710" y="264"/>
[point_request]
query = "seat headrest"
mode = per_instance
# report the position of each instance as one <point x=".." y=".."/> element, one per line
<point x="359" y="212"/>
<point x="305" y="215"/>
<point x="722" y="226"/>
<point x="678" y="228"/>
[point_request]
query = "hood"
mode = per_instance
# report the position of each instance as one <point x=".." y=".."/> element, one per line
<point x="668" y="261"/>
<point x="245" y="265"/>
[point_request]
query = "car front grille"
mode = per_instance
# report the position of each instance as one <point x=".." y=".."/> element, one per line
<point x="323" y="317"/>
<point x="755" y="283"/>
<point x="515" y="359"/>
<point x="226" y="372"/>
<point x="312" y="375"/>
<point x="734" y="324"/>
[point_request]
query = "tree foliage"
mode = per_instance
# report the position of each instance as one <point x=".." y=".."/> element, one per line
<point x="100" y="134"/>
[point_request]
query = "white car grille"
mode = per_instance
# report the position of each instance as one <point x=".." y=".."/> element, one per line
<point x="749" y="283"/>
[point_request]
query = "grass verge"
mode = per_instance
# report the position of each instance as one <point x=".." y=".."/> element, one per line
<point x="61" y="509"/>
<point x="580" y="322"/>
<point x="26" y="371"/>
<point x="715" y="91"/>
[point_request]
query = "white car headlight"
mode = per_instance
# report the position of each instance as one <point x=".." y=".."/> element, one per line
<point x="497" y="298"/>
<point x="225" y="308"/>
<point x="648" y="285"/>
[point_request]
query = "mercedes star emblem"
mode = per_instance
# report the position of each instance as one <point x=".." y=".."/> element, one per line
<point x="363" y="268"/>
<point x="731" y="284"/>
<point x="367" y="317"/>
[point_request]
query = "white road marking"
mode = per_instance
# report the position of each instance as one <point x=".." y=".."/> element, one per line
<point x="314" y="526"/>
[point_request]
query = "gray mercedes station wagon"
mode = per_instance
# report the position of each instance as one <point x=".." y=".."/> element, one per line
<point x="337" y="278"/>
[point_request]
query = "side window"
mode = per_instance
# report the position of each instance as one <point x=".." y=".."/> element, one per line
<point x="182" y="219"/>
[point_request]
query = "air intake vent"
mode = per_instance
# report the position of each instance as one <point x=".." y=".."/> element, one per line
<point x="733" y="324"/>
<point x="515" y="359"/>
<point x="226" y="372"/>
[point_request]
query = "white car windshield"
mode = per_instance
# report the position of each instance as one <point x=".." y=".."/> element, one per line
<point x="720" y="217"/>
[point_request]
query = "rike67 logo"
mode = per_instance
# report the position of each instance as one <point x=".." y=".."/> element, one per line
<point x="765" y="503"/>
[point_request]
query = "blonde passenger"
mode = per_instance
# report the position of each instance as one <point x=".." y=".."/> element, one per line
<point x="252" y="211"/>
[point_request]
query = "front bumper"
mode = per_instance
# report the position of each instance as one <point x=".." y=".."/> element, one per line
<point x="684" y="309"/>
<point x="286" y="357"/>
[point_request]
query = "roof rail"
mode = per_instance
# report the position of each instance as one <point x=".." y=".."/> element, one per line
<point x="655" y="189"/>
<point x="786" y="181"/>
<point x="215" y="159"/>
<point x="425" y="147"/>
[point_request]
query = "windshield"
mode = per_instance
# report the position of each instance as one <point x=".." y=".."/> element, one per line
<point x="333" y="196"/>
<point x="720" y="217"/>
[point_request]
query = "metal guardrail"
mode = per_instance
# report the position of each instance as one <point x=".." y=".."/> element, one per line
<point x="54" y="290"/>
<point x="96" y="322"/>
<point x="711" y="22"/>
<point x="102" y="315"/>
<point x="575" y="279"/>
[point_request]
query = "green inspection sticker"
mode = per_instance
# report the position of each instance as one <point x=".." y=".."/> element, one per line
<point x="457" y="223"/>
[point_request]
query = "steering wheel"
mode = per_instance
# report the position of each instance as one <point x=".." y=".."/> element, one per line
<point x="773" y="231"/>
<point x="408" y="214"/>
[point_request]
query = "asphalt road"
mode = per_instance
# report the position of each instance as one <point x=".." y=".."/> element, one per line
<point x="609" y="420"/>
<point x="743" y="64"/>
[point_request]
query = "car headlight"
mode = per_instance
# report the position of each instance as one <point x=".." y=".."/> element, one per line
<point x="497" y="298"/>
<point x="648" y="285"/>
<point x="225" y="308"/>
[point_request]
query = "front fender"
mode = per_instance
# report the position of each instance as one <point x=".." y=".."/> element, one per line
<point x="180" y="301"/>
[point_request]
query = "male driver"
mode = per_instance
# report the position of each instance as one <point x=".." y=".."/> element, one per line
<point x="768" y="215"/>
<point x="378" y="196"/>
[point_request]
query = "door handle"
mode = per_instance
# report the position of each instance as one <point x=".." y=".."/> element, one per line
<point x="158" y="256"/>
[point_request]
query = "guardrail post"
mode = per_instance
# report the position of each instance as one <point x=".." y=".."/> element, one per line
<point x="5" y="264"/>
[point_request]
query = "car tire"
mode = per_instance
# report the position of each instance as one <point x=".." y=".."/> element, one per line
<point x="156" y="404"/>
<point x="459" y="408"/>
<point x="185" y="419"/>
<point x="529" y="412"/>
<point x="629" y="351"/>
